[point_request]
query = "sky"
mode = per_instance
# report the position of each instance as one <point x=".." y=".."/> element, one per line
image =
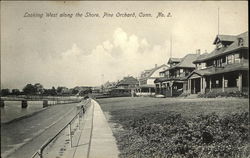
<point x="88" y="51"/>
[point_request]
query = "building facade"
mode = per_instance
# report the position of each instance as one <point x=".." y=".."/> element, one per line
<point x="174" y="81"/>
<point x="225" y="69"/>
<point x="146" y="80"/>
<point x="125" y="87"/>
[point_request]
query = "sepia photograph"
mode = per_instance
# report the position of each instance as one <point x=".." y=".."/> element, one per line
<point x="124" y="79"/>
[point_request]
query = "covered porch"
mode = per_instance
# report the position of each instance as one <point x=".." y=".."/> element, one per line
<point x="146" y="90"/>
<point x="221" y="82"/>
<point x="170" y="88"/>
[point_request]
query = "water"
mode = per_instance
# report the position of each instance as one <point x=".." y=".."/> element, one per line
<point x="13" y="110"/>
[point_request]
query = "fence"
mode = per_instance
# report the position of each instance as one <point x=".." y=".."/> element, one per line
<point x="78" y="115"/>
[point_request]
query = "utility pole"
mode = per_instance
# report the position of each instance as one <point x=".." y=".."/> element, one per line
<point x="218" y="21"/>
<point x="171" y="45"/>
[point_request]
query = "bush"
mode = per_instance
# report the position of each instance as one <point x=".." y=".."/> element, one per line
<point x="171" y="135"/>
<point x="214" y="94"/>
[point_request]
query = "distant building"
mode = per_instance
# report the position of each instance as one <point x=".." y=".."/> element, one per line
<point x="96" y="89"/>
<point x="225" y="69"/>
<point x="108" y="86"/>
<point x="146" y="80"/>
<point x="174" y="81"/>
<point x="125" y="87"/>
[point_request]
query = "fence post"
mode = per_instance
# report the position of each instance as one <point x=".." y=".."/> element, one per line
<point x="70" y="135"/>
<point x="45" y="103"/>
<point x="24" y="103"/>
<point x="79" y="120"/>
<point x="40" y="153"/>
<point x="1" y="103"/>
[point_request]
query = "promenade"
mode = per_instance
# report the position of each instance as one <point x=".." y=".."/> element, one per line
<point x="91" y="138"/>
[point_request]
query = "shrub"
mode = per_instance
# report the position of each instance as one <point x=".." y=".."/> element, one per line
<point x="215" y="94"/>
<point x="171" y="135"/>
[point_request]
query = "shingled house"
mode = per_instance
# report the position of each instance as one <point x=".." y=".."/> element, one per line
<point x="174" y="81"/>
<point x="125" y="87"/>
<point x="146" y="80"/>
<point x="225" y="69"/>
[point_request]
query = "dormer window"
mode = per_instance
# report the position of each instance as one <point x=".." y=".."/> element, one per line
<point x="240" y="42"/>
<point x="219" y="45"/>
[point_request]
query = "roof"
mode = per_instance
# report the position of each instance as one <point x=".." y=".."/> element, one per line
<point x="162" y="79"/>
<point x="215" y="70"/>
<point x="147" y="86"/>
<point x="173" y="60"/>
<point x="128" y="81"/>
<point x="224" y="38"/>
<point x="151" y="71"/>
<point x="225" y="50"/>
<point x="187" y="61"/>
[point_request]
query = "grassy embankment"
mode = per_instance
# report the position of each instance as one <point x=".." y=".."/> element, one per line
<point x="174" y="127"/>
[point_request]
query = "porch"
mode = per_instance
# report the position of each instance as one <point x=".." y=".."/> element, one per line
<point x="224" y="82"/>
<point x="170" y="88"/>
<point x="146" y="90"/>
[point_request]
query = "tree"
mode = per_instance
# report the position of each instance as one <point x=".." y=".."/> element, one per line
<point x="39" y="88"/>
<point x="59" y="90"/>
<point x="29" y="89"/>
<point x="75" y="91"/>
<point x="53" y="91"/>
<point x="15" y="91"/>
<point x="5" y="92"/>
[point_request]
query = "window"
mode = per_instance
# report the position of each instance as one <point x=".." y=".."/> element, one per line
<point x="217" y="82"/>
<point x="181" y="70"/>
<point x="219" y="45"/>
<point x="230" y="59"/>
<point x="237" y="58"/>
<point x="225" y="83"/>
<point x="203" y="65"/>
<point x="240" y="42"/>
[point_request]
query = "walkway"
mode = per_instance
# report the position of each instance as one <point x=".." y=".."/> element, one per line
<point x="94" y="139"/>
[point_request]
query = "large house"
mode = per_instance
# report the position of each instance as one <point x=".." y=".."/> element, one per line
<point x="146" y="80"/>
<point x="225" y="69"/>
<point x="125" y="87"/>
<point x="174" y="81"/>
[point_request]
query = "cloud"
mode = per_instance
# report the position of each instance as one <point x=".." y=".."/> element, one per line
<point x="124" y="54"/>
<point x="121" y="56"/>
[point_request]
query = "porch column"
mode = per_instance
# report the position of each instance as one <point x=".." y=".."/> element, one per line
<point x="149" y="90"/>
<point x="240" y="82"/>
<point x="223" y="83"/>
<point x="160" y="88"/>
<point x="194" y="86"/>
<point x="210" y="84"/>
<point x="171" y="91"/>
<point x="204" y="85"/>
<point x="201" y="85"/>
<point x="188" y="85"/>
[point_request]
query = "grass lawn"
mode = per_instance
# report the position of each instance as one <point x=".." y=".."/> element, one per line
<point x="175" y="127"/>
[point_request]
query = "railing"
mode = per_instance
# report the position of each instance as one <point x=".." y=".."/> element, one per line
<point x="79" y="113"/>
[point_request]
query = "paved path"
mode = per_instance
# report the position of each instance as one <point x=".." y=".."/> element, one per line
<point x="93" y="139"/>
<point x="23" y="137"/>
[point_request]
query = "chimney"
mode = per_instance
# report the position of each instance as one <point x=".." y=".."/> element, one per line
<point x="155" y="65"/>
<point x="198" y="51"/>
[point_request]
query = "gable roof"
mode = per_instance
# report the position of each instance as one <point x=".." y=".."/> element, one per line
<point x="130" y="80"/>
<point x="151" y="71"/>
<point x="215" y="70"/>
<point x="186" y="61"/>
<point x="224" y="38"/>
<point x="174" y="60"/>
<point x="224" y="50"/>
